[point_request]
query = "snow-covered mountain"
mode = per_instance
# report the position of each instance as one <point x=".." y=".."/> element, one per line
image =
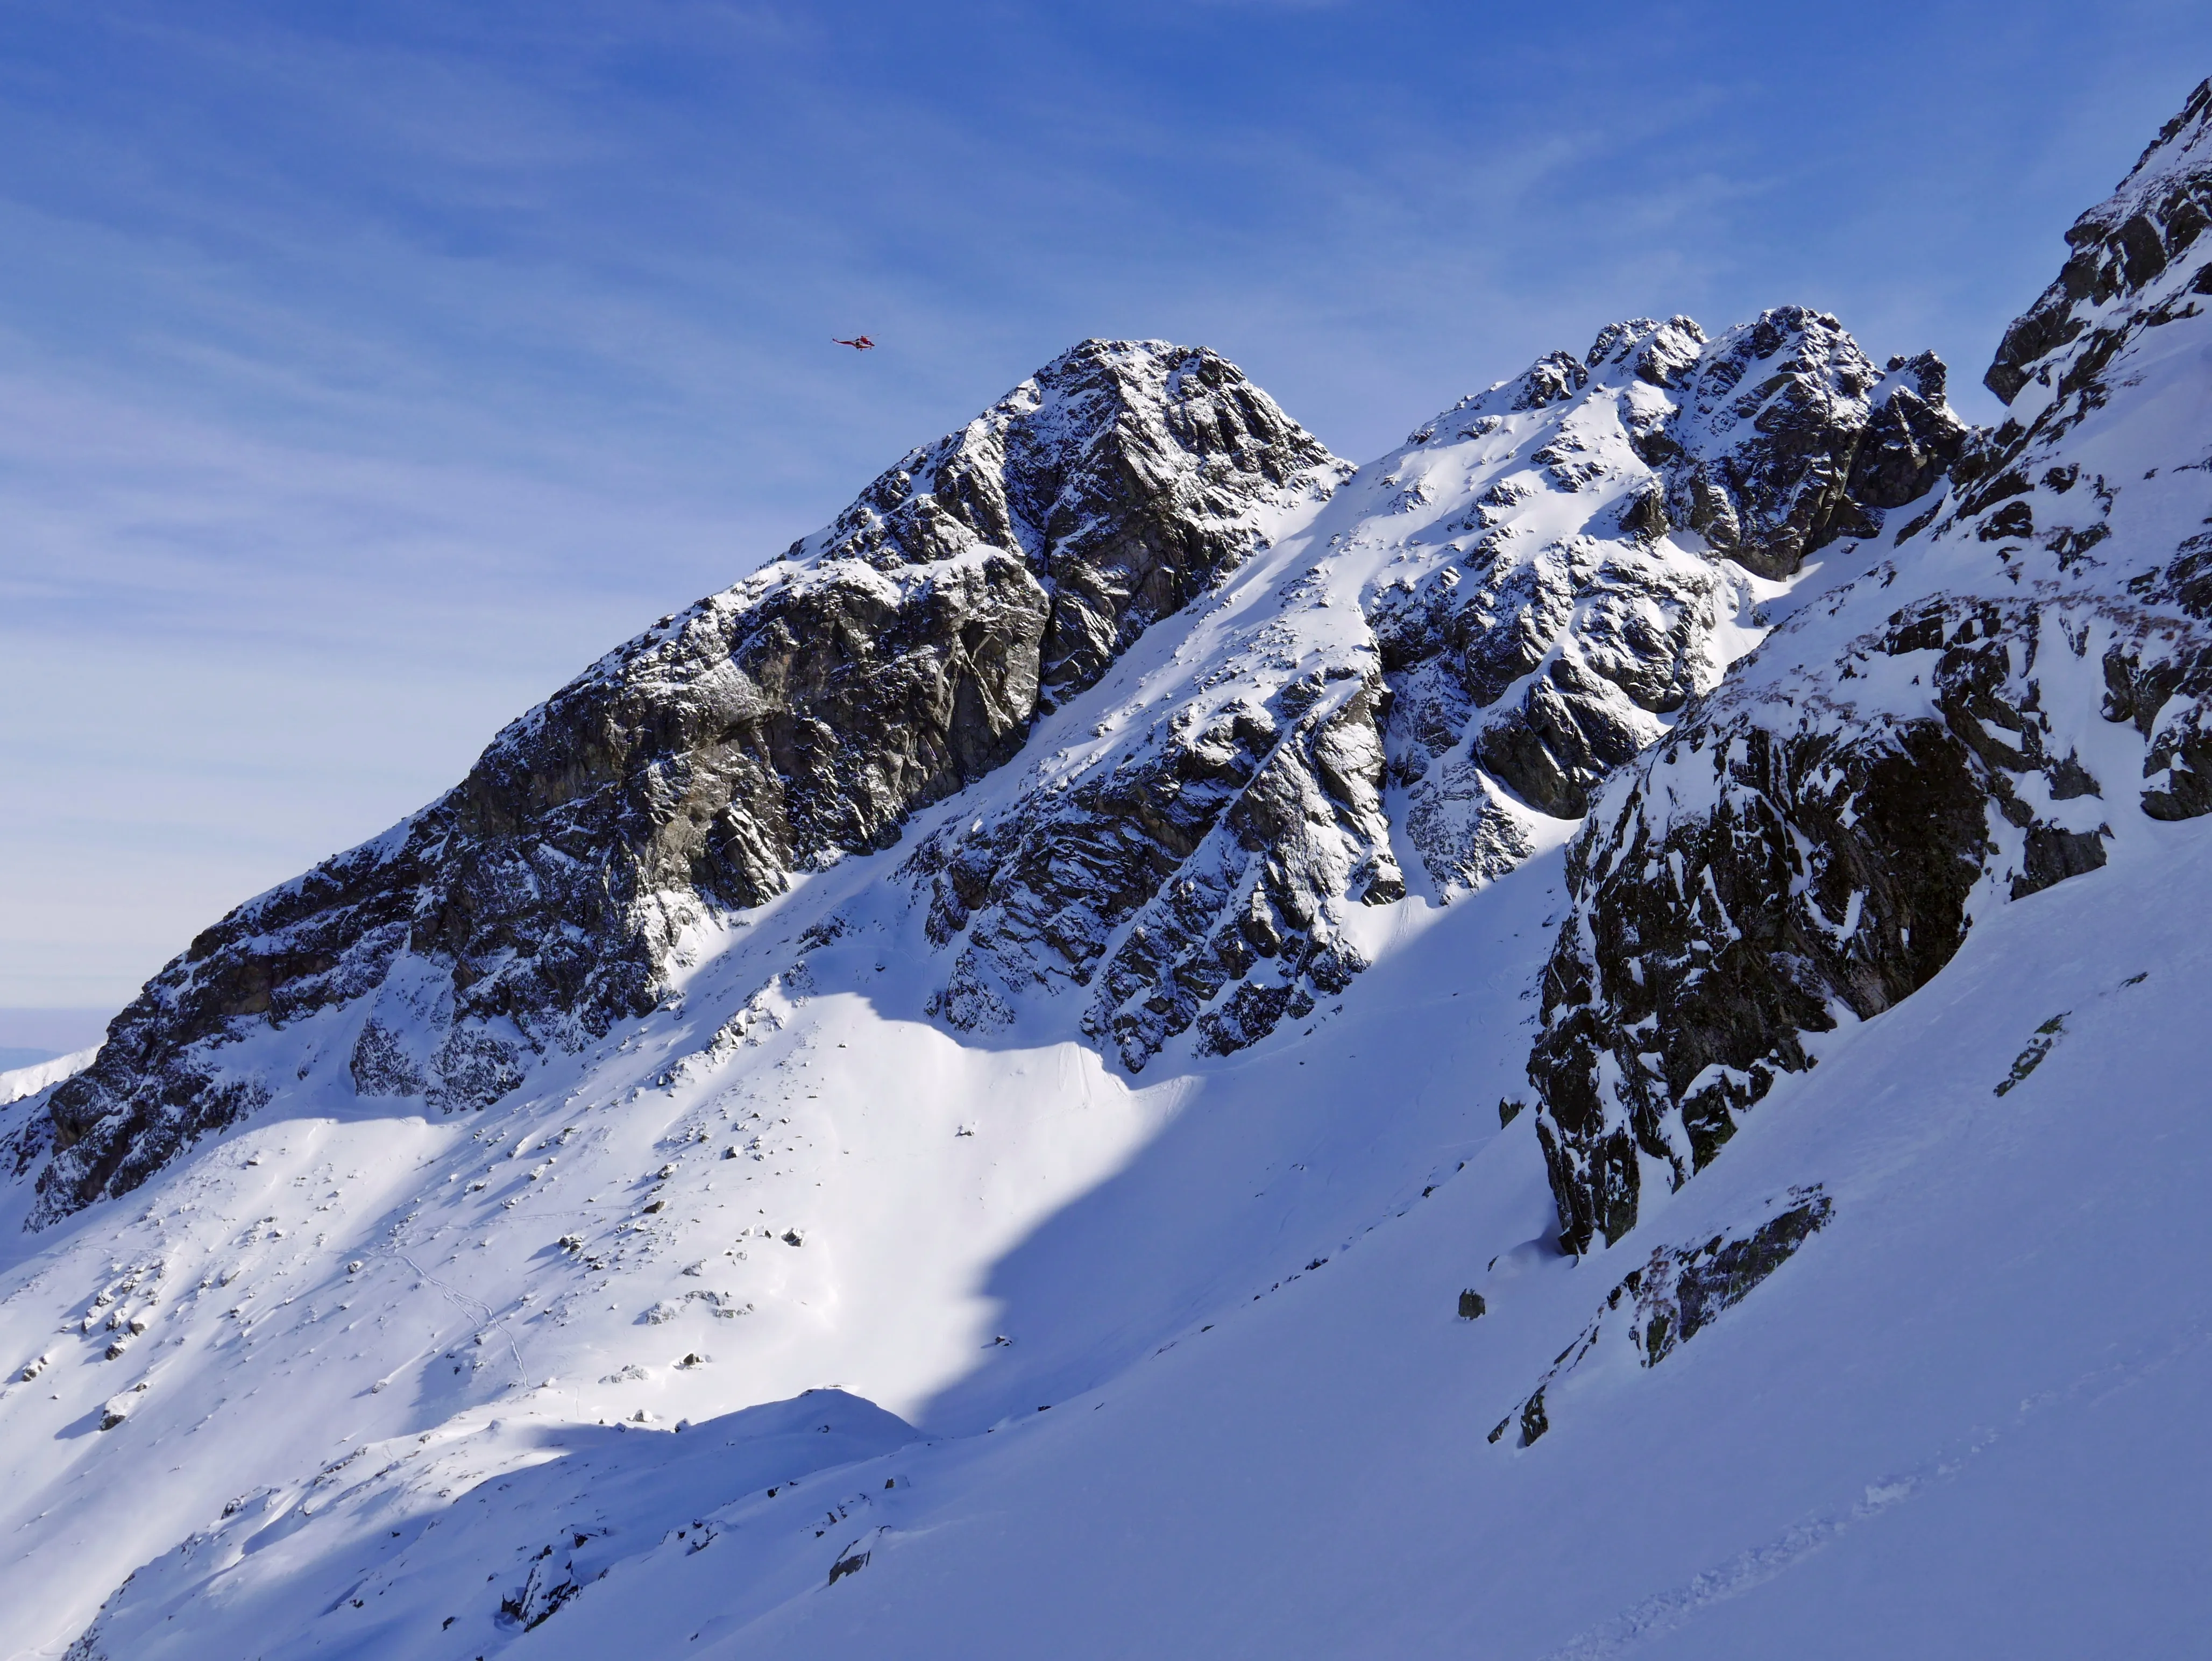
<point x="1107" y="1057"/>
<point x="16" y="1082"/>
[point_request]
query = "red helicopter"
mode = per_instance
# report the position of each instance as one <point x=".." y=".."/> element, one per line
<point x="859" y="342"/>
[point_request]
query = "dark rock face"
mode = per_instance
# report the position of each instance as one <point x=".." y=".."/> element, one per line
<point x="882" y="665"/>
<point x="1207" y="860"/>
<point x="1820" y="837"/>
<point x="1123" y="479"/>
<point x="1834" y="867"/>
<point x="2120" y="248"/>
<point x="1788" y="438"/>
<point x="1677" y="1294"/>
<point x="1541" y="662"/>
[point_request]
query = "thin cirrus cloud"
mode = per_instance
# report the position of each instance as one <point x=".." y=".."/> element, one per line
<point x="365" y="373"/>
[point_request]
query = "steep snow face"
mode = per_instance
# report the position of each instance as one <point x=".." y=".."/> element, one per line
<point x="2014" y="691"/>
<point x="1924" y="1390"/>
<point x="793" y="1181"/>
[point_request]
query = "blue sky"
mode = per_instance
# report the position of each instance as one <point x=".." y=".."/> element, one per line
<point x="366" y="369"/>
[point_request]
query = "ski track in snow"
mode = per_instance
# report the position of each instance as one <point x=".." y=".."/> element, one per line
<point x="1667" y="1612"/>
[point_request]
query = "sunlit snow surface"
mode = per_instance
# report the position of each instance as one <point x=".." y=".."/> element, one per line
<point x="1966" y="1418"/>
<point x="787" y="1180"/>
<point x="18" y="1082"/>
<point x="336" y="1287"/>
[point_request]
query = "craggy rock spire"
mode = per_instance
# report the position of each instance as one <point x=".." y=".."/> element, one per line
<point x="1514" y="617"/>
<point x="1577" y="620"/>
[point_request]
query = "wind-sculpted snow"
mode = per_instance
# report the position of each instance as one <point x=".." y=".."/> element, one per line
<point x="1972" y="719"/>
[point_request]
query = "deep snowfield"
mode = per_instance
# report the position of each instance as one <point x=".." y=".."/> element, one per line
<point x="335" y="1286"/>
<point x="1969" y="1418"/>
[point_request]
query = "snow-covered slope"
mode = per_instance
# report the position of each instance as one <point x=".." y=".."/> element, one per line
<point x="1966" y="1417"/>
<point x="967" y="1095"/>
<point x="17" y="1082"/>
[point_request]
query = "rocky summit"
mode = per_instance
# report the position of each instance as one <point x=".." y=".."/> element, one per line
<point x="1097" y="1006"/>
<point x="1518" y="620"/>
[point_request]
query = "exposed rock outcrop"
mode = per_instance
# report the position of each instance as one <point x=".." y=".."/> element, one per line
<point x="2120" y="248"/>
<point x="1786" y="438"/>
<point x="1518" y="620"/>
<point x="1573" y="625"/>
<point x="1814" y="840"/>
<point x="1226" y="842"/>
<point x="1678" y="1292"/>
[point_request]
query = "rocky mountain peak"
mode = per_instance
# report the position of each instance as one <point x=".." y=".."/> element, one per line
<point x="1121" y="474"/>
<point x="1787" y="437"/>
<point x="2120" y="247"/>
<point x="802" y="715"/>
<point x="1491" y="620"/>
<point x="1659" y="354"/>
